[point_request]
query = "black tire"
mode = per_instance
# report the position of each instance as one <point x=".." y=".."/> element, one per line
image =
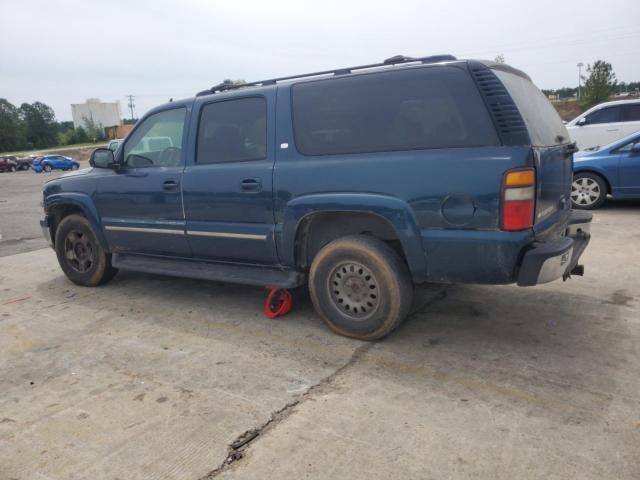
<point x="74" y="167"/>
<point x="360" y="287"/>
<point x="47" y="168"/>
<point x="79" y="254"/>
<point x="588" y="191"/>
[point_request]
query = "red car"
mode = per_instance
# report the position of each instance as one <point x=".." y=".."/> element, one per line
<point x="8" y="165"/>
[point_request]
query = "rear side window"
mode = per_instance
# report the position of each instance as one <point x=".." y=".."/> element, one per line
<point x="632" y="113"/>
<point x="421" y="108"/>
<point x="233" y="131"/>
<point x="605" y="115"/>
<point x="543" y="123"/>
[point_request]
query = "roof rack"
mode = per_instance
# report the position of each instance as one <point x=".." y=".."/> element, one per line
<point x="395" y="60"/>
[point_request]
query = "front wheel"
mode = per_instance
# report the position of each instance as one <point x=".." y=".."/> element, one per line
<point x="588" y="191"/>
<point x="80" y="256"/>
<point x="360" y="287"/>
<point x="47" y="168"/>
<point x="12" y="169"/>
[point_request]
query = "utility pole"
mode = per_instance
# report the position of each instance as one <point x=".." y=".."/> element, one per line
<point x="580" y="65"/>
<point x="132" y="105"/>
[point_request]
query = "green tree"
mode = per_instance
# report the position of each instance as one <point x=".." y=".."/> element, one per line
<point x="40" y="125"/>
<point x="94" y="131"/>
<point x="11" y="127"/>
<point x="599" y="85"/>
<point x="81" y="136"/>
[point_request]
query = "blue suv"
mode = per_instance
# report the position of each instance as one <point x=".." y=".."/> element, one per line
<point x="360" y="182"/>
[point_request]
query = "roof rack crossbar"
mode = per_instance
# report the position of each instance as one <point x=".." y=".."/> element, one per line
<point x="396" y="60"/>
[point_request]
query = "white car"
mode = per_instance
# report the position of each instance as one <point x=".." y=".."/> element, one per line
<point x="605" y="123"/>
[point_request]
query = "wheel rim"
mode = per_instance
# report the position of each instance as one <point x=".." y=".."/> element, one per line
<point x="585" y="191"/>
<point x="78" y="251"/>
<point x="354" y="290"/>
<point x="47" y="168"/>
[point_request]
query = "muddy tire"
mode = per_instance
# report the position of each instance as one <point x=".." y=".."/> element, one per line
<point x="360" y="287"/>
<point x="80" y="256"/>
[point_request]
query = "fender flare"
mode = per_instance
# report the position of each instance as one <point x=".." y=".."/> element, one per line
<point x="391" y="209"/>
<point x="86" y="205"/>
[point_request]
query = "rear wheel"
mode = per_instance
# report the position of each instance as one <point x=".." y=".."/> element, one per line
<point x="80" y="256"/>
<point x="74" y="166"/>
<point x="588" y="191"/>
<point x="360" y="287"/>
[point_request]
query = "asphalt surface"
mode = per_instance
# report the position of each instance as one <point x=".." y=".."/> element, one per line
<point x="162" y="378"/>
<point x="21" y="212"/>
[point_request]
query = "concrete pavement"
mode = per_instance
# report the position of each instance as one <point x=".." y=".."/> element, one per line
<point x="154" y="378"/>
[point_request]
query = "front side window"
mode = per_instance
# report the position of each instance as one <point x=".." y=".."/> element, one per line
<point x="233" y="131"/>
<point x="157" y="142"/>
<point x="434" y="107"/>
<point x="606" y="115"/>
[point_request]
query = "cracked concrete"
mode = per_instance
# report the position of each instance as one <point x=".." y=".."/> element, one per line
<point x="238" y="446"/>
<point x="155" y="378"/>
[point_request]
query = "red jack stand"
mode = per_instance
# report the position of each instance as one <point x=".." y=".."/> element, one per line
<point x="279" y="302"/>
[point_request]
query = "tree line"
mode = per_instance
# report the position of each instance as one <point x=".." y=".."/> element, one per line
<point x="34" y="126"/>
<point x="600" y="84"/>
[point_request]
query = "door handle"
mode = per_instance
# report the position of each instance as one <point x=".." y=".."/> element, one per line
<point x="170" y="185"/>
<point x="251" y="185"/>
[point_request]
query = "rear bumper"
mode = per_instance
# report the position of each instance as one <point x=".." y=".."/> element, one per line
<point x="545" y="262"/>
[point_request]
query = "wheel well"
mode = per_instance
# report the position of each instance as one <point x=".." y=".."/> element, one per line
<point x="593" y="172"/>
<point x="57" y="213"/>
<point x="318" y="229"/>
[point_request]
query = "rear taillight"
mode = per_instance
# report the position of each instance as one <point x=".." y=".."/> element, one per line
<point x="518" y="201"/>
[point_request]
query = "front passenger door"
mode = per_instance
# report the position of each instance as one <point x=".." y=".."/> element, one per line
<point x="140" y="205"/>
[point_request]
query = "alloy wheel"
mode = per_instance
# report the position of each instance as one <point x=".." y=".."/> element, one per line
<point x="585" y="191"/>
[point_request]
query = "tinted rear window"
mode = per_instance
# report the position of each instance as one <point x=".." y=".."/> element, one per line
<point x="543" y="123"/>
<point x="433" y="107"/>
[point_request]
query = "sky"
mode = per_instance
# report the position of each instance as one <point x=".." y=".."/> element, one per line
<point x="65" y="51"/>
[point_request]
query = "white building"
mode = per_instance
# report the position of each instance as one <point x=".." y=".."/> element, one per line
<point x="107" y="114"/>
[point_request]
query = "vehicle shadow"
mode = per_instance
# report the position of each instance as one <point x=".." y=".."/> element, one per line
<point x="620" y="204"/>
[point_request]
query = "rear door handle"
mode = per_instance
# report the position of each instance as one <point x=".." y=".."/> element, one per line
<point x="251" y="185"/>
<point x="170" y="186"/>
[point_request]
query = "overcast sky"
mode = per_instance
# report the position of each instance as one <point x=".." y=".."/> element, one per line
<point x="62" y="52"/>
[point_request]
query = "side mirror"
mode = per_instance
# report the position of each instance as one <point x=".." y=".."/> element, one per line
<point x="582" y="121"/>
<point x="102" y="158"/>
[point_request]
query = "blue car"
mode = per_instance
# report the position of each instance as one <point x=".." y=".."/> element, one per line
<point x="54" y="162"/>
<point x="613" y="169"/>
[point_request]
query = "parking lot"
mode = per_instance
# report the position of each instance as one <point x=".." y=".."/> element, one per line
<point x="163" y="378"/>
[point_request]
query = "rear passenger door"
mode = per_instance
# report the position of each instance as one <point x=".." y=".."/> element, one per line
<point x="227" y="184"/>
<point x="631" y="117"/>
